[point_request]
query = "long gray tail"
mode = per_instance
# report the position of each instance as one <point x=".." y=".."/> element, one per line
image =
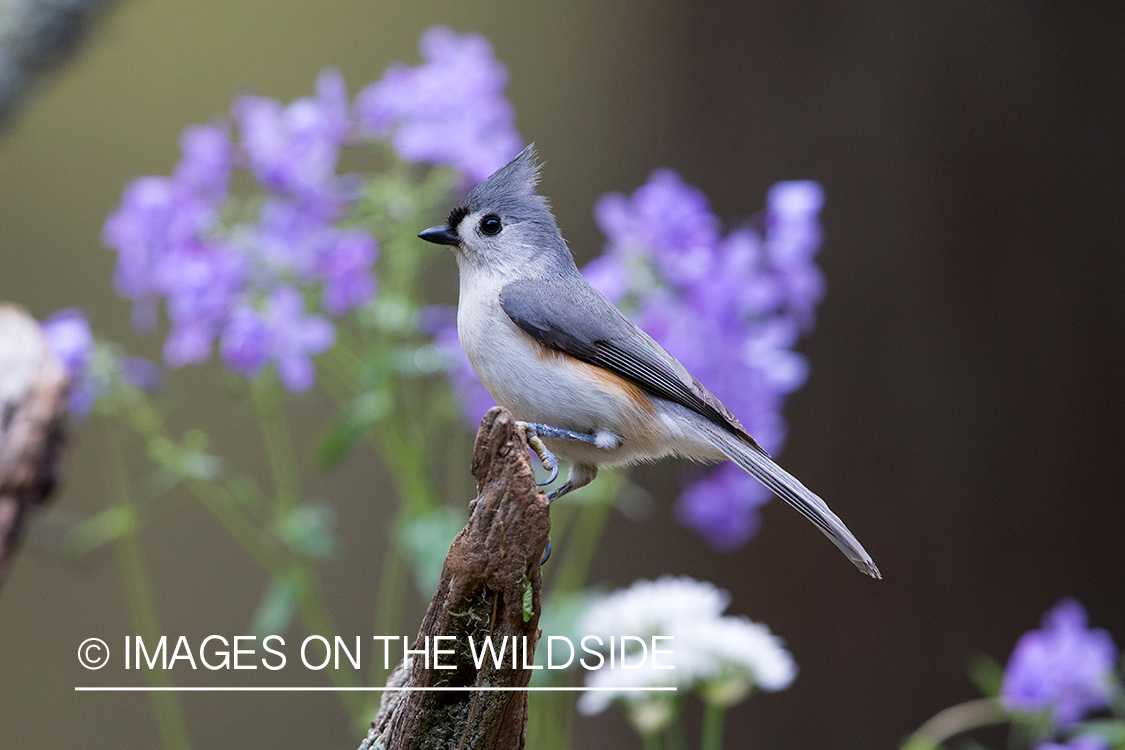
<point x="789" y="489"/>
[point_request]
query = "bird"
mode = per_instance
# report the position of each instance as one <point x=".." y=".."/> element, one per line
<point x="586" y="382"/>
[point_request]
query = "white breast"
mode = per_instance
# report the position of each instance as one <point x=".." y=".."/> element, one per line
<point x="537" y="385"/>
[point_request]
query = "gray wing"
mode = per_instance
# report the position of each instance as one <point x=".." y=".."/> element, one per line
<point x="571" y="316"/>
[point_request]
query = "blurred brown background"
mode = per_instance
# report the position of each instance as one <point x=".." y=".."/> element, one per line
<point x="964" y="409"/>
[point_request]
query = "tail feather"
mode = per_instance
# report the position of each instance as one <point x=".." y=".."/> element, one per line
<point x="789" y="489"/>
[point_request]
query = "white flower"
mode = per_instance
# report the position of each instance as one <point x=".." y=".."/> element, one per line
<point x="725" y="657"/>
<point x="654" y="607"/>
<point x="629" y="682"/>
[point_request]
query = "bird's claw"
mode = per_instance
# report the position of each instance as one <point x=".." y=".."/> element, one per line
<point x="549" y="460"/>
<point x="553" y="477"/>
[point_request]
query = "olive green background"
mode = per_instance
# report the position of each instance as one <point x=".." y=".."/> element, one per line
<point x="964" y="409"/>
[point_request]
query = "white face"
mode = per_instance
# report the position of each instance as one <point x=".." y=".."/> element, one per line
<point x="489" y="241"/>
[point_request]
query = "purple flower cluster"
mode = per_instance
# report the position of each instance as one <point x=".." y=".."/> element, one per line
<point x="730" y="307"/>
<point x="69" y="336"/>
<point x="244" y="283"/>
<point x="450" y="110"/>
<point x="1064" y="668"/>
<point x="239" y="284"/>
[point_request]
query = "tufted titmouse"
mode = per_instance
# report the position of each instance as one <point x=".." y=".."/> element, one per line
<point x="589" y="384"/>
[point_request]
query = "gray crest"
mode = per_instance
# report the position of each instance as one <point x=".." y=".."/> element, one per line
<point x="510" y="190"/>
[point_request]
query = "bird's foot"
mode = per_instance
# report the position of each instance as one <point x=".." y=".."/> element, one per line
<point x="549" y="460"/>
<point x="546" y="430"/>
<point x="546" y="552"/>
<point x="559" y="492"/>
<point x="535" y="434"/>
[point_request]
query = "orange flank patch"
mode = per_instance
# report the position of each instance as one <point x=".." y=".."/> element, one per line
<point x="608" y="381"/>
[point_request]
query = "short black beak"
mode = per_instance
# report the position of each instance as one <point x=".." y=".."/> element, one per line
<point x="440" y="236"/>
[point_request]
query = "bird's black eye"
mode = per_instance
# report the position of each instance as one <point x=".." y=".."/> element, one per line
<point x="491" y="224"/>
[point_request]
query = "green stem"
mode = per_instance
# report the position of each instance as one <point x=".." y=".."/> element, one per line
<point x="317" y="621"/>
<point x="580" y="548"/>
<point x="142" y="610"/>
<point x="413" y="487"/>
<point x="712" y="727"/>
<point x="408" y="468"/>
<point x="982" y="712"/>
<point x="388" y="605"/>
<point x="226" y="510"/>
<point x="404" y="456"/>
<point x="651" y="740"/>
<point x="677" y="740"/>
<point x="283" y="463"/>
<point x="214" y="497"/>
<point x="279" y="443"/>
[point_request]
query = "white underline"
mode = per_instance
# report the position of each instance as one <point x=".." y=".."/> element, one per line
<point x="145" y="689"/>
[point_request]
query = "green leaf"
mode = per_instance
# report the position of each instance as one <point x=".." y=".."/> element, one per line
<point x="426" y="540"/>
<point x="365" y="410"/>
<point x="336" y="442"/>
<point x="188" y="462"/>
<point x="245" y="491"/>
<point x="528" y="598"/>
<point x="987" y="674"/>
<point x="108" y="526"/>
<point x="279" y="604"/>
<point x="1110" y="730"/>
<point x="309" y="529"/>
<point x="917" y="743"/>
<point x="559" y="615"/>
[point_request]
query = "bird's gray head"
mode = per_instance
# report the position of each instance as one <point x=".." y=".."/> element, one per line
<point x="502" y="223"/>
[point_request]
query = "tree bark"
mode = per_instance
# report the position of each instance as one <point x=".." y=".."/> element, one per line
<point x="32" y="403"/>
<point x="490" y="586"/>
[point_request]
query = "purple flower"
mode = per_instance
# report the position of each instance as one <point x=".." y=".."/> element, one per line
<point x="1081" y="742"/>
<point x="1064" y="668"/>
<point x="793" y="237"/>
<point x="723" y="508"/>
<point x="207" y="160"/>
<point x="162" y="217"/>
<point x="290" y="240"/>
<point x="69" y="337"/>
<point x="609" y="276"/>
<point x="284" y="335"/>
<point x="294" y="149"/>
<point x="201" y="286"/>
<point x="730" y="308"/>
<point x="450" y="110"/>
<point x="157" y="216"/>
<point x="247" y="342"/>
<point x="297" y="337"/>
<point x="666" y="221"/>
<point x="140" y="372"/>
<point x="171" y="246"/>
<point x="346" y="270"/>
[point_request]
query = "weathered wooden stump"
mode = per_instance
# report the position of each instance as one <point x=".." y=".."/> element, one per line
<point x="32" y="403"/>
<point x="490" y="586"/>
